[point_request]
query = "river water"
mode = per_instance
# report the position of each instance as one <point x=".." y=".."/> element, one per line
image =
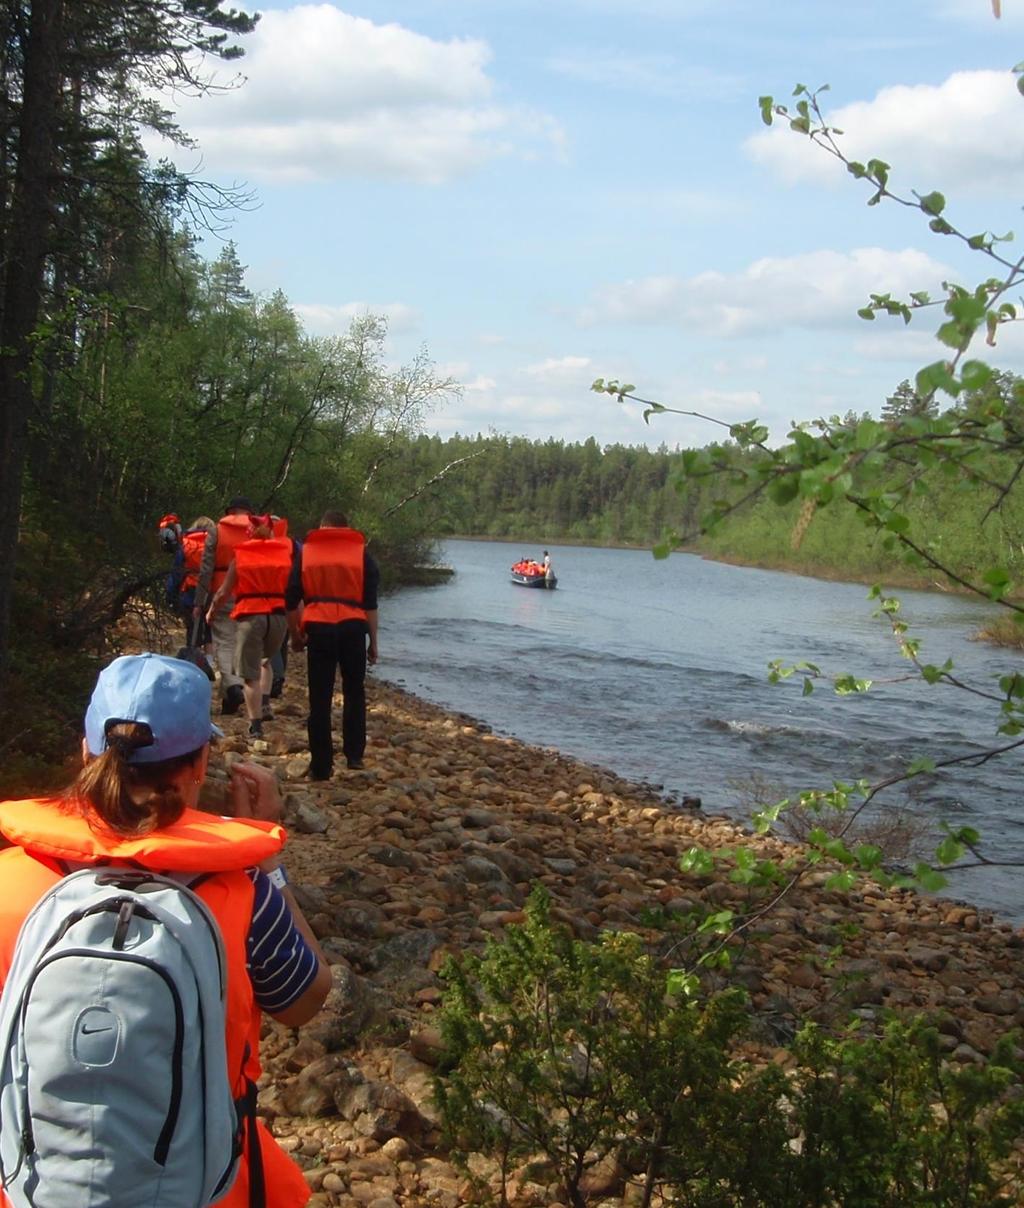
<point x="658" y="670"/>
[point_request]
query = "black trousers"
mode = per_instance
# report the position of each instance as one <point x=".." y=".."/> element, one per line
<point x="328" y="649"/>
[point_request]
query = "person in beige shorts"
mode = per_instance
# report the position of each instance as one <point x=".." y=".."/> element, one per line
<point x="257" y="578"/>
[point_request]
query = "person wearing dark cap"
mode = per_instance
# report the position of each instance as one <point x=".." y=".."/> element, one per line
<point x="231" y="530"/>
<point x="146" y="748"/>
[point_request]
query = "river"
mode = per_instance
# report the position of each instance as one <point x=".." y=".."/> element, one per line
<point x="658" y="670"/>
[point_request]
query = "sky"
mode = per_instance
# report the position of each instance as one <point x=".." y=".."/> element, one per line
<point x="544" y="192"/>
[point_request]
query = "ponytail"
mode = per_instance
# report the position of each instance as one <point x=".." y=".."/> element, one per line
<point x="109" y="785"/>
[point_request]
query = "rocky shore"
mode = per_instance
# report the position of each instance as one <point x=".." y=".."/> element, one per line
<point x="434" y="847"/>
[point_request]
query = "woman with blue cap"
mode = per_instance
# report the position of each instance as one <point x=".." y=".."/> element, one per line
<point x="146" y="748"/>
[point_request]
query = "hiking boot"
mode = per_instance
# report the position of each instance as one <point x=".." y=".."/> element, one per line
<point x="355" y="764"/>
<point x="268" y="713"/>
<point x="277" y="687"/>
<point x="255" y="729"/>
<point x="233" y="700"/>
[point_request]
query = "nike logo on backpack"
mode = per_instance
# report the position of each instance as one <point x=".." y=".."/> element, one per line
<point x="87" y="1031"/>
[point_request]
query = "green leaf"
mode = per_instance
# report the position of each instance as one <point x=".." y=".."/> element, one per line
<point x="975" y="374"/>
<point x="923" y="763"/>
<point x="681" y="983"/>
<point x="953" y="335"/>
<point x="967" y="835"/>
<point x="784" y="488"/>
<point x="697" y="860"/>
<point x="847" y="685"/>
<point x="933" y="203"/>
<point x="868" y="856"/>
<point x="949" y="851"/>
<point x="929" y="879"/>
<point x="767" y="105"/>
<point x="936" y="376"/>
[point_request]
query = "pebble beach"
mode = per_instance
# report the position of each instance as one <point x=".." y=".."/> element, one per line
<point x="433" y="848"/>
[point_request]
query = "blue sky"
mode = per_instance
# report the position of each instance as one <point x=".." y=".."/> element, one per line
<point x="541" y="193"/>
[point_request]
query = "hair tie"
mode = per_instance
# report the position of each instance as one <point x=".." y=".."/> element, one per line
<point x="120" y="743"/>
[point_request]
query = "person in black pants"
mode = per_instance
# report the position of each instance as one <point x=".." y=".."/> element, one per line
<point x="335" y="580"/>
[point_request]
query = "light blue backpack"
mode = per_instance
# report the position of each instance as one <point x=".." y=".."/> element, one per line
<point x="114" y="1088"/>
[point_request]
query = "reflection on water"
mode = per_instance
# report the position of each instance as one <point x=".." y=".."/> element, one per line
<point x="658" y="670"/>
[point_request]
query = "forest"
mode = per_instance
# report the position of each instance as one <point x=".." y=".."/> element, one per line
<point x="138" y="376"/>
<point x="511" y="487"/>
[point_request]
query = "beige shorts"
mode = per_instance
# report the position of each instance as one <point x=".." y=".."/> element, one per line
<point x="258" y="638"/>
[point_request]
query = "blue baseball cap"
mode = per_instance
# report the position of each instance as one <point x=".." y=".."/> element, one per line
<point x="168" y="695"/>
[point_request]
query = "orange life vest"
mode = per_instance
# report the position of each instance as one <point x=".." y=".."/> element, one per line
<point x="332" y="576"/>
<point x="192" y="544"/>
<point x="263" y="566"/>
<point x="231" y="531"/>
<point x="279" y="525"/>
<point x="44" y="834"/>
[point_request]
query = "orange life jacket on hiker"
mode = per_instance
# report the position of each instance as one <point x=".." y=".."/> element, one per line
<point x="262" y="566"/>
<point x="332" y="576"/>
<point x="192" y="544"/>
<point x="44" y="834"/>
<point x="231" y="531"/>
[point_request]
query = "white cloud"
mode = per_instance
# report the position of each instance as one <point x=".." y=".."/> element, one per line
<point x="559" y="368"/>
<point x="965" y="133"/>
<point x="746" y="364"/>
<point x="480" y="384"/>
<point x="812" y="290"/>
<point x="329" y="94"/>
<point x="322" y="320"/>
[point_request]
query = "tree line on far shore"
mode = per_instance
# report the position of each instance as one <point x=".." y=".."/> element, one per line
<point x="551" y="490"/>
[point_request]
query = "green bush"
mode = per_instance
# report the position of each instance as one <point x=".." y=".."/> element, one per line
<point x="573" y="1053"/>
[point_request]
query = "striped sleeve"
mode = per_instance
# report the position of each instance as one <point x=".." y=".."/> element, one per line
<point x="282" y="966"/>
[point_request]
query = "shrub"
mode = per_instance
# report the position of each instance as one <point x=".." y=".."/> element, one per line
<point x="575" y="1053"/>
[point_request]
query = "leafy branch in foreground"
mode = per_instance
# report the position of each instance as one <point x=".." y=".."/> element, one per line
<point x="880" y="468"/>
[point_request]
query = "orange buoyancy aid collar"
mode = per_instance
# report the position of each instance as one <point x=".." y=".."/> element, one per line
<point x="332" y="576"/>
<point x="193" y="543"/>
<point x="231" y="532"/>
<point x="263" y="566"/>
<point x="197" y="842"/>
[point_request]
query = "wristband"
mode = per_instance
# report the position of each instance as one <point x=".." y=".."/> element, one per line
<point x="278" y="877"/>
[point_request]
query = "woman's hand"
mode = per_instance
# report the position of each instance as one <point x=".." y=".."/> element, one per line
<point x="254" y="793"/>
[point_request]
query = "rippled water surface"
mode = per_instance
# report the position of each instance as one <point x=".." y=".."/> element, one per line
<point x="659" y="671"/>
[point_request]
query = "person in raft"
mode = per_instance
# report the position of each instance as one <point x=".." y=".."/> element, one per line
<point x="146" y="747"/>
